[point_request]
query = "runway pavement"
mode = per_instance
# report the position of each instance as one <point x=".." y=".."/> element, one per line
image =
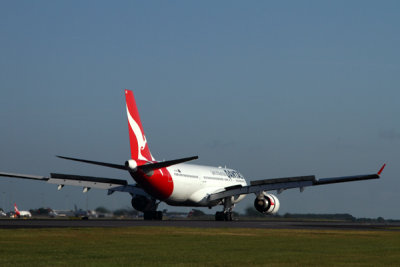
<point x="281" y="224"/>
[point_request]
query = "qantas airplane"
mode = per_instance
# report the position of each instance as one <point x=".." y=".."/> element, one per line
<point x="180" y="184"/>
<point x="21" y="213"/>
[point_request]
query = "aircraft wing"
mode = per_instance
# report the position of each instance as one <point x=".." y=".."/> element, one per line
<point x="281" y="184"/>
<point x="87" y="182"/>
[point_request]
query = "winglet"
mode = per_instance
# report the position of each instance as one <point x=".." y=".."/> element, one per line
<point x="380" y="171"/>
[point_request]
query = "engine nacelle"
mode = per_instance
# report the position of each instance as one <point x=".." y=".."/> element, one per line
<point x="131" y="164"/>
<point x="266" y="203"/>
<point x="141" y="203"/>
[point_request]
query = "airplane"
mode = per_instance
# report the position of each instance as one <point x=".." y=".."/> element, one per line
<point x="2" y="213"/>
<point x="21" y="213"/>
<point x="178" y="183"/>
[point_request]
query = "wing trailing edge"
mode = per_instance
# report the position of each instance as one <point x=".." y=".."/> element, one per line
<point x="281" y="184"/>
<point x="23" y="176"/>
<point x="87" y="182"/>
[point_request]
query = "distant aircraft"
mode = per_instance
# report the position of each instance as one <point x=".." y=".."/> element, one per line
<point x="84" y="214"/>
<point x="21" y="213"/>
<point x="61" y="213"/>
<point x="179" y="184"/>
<point x="2" y="213"/>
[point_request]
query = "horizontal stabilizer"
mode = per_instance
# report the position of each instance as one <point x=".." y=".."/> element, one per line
<point x="110" y="165"/>
<point x="145" y="167"/>
<point x="158" y="165"/>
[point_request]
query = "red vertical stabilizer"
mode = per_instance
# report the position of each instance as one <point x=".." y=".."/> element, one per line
<point x="139" y="148"/>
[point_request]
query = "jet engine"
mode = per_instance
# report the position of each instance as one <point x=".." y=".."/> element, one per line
<point x="266" y="203"/>
<point x="141" y="203"/>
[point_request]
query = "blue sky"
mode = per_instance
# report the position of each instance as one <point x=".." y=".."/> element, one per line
<point x="271" y="89"/>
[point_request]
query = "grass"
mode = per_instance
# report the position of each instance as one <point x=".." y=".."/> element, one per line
<point x="161" y="246"/>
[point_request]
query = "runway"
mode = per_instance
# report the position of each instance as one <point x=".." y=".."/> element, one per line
<point x="261" y="224"/>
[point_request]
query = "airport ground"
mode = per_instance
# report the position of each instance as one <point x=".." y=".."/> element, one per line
<point x="55" y="242"/>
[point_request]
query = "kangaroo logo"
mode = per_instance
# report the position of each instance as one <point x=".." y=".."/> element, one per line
<point x="140" y="138"/>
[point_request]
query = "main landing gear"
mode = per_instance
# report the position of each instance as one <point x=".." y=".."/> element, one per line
<point x="225" y="215"/>
<point x="151" y="213"/>
<point x="148" y="206"/>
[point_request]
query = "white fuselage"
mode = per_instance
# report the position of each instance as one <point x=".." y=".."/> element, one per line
<point x="194" y="183"/>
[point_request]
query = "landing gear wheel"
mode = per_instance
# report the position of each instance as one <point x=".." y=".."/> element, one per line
<point x="223" y="216"/>
<point x="228" y="216"/>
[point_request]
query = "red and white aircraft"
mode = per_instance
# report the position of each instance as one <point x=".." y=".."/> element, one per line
<point x="180" y="184"/>
<point x="21" y="213"/>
